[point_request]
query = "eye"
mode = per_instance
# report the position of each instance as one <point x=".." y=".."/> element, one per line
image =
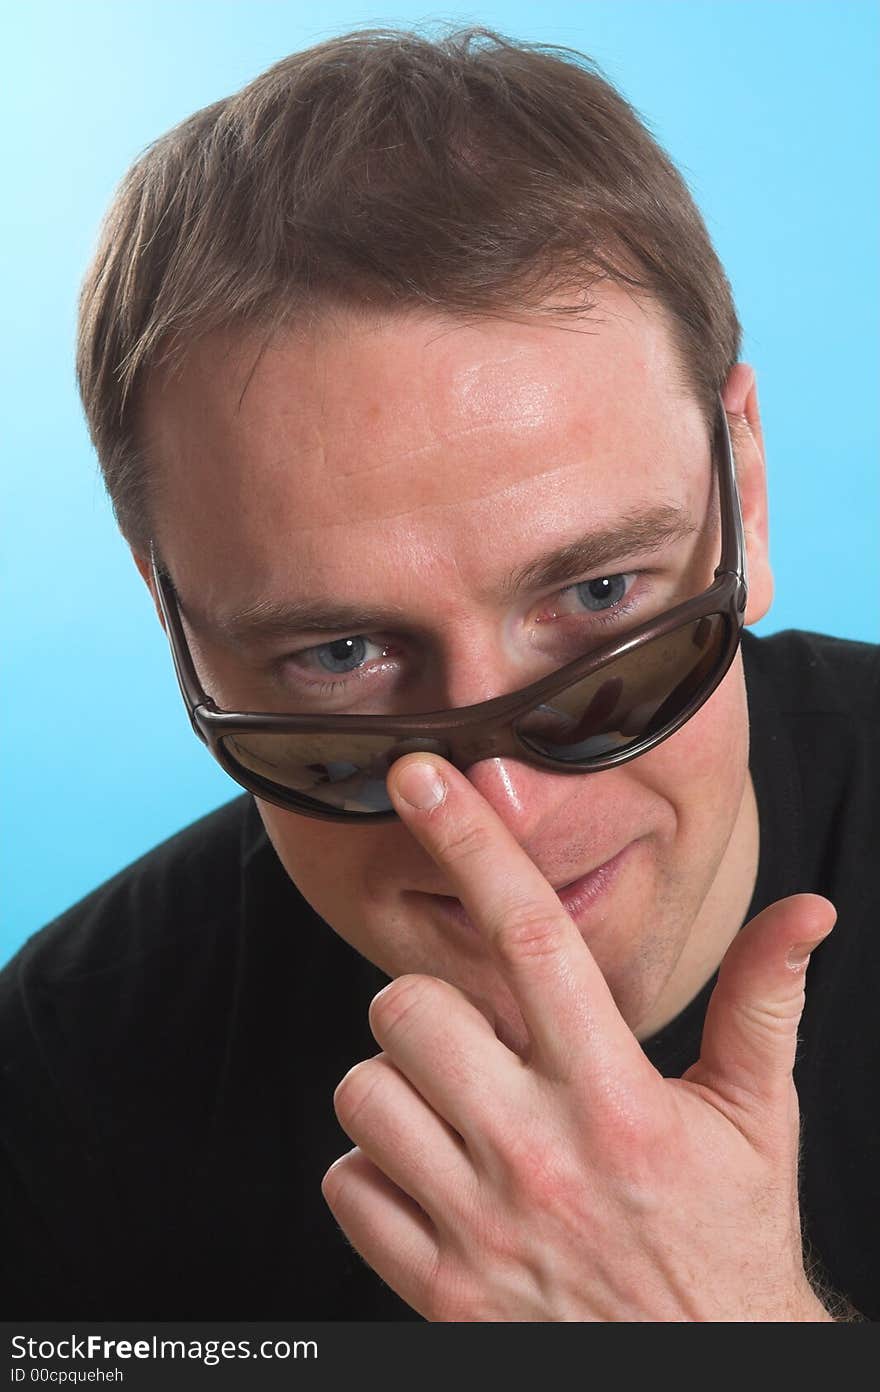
<point x="341" y="656"/>
<point x="336" y="665"/>
<point x="603" y="592"/>
<point x="607" y="598"/>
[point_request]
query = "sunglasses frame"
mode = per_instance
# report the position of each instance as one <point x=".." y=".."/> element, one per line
<point x="486" y="730"/>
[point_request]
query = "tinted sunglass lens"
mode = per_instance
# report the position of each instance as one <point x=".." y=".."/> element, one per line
<point x="633" y="698"/>
<point x="342" y="771"/>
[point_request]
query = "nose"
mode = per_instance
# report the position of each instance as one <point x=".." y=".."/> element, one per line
<point x="527" y="799"/>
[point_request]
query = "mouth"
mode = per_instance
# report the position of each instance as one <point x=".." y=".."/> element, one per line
<point x="579" y="897"/>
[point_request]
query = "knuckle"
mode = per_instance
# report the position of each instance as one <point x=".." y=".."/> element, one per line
<point x="628" y="1129"/>
<point x="617" y="1145"/>
<point x="464" y="840"/>
<point x="359" y="1089"/>
<point x="527" y="931"/>
<point x="542" y="1174"/>
<point x="394" y="1010"/>
<point x="636" y="1173"/>
<point x="555" y="1189"/>
<point x="337" y="1181"/>
<point x="775" y="1020"/>
<point x="642" y="1150"/>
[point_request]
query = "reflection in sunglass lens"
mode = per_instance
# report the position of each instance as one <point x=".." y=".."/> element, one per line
<point x="344" y="771"/>
<point x="634" y="697"/>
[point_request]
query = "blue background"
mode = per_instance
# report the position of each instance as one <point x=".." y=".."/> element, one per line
<point x="770" y="108"/>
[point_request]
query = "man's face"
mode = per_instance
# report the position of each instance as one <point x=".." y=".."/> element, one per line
<point x="413" y="468"/>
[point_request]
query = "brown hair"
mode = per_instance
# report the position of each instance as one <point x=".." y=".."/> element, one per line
<point x="382" y="170"/>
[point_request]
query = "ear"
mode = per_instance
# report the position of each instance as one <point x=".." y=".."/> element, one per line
<point x="740" y="397"/>
<point x="146" y="572"/>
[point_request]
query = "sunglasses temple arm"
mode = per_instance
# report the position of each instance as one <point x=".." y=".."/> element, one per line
<point x="733" y="550"/>
<point x="191" y="688"/>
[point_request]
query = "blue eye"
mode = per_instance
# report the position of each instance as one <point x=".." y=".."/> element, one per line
<point x="342" y="656"/>
<point x="602" y="593"/>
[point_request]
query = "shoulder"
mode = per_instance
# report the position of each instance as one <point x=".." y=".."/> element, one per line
<point x="114" y="1021"/>
<point x="814" y="673"/>
<point x="174" y="904"/>
<point x="115" y="1018"/>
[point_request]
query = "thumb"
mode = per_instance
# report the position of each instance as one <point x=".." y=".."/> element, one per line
<point x="750" y="1034"/>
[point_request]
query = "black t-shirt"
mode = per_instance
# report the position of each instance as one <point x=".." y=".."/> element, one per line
<point x="169" y="1047"/>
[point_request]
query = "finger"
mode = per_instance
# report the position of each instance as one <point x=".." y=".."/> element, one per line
<point x="451" y="1055"/>
<point x="387" y="1227"/>
<point x="569" y="1012"/>
<point x="750" y="1033"/>
<point x="380" y="1110"/>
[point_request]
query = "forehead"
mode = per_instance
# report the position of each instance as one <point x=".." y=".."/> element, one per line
<point x="410" y="449"/>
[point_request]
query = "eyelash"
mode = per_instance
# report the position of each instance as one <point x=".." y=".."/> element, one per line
<point x="600" y="618"/>
<point x="605" y="617"/>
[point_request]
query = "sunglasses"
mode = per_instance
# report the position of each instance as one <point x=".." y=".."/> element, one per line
<point x="595" y="713"/>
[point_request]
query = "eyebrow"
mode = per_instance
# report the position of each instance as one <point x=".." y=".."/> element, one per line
<point x="638" y="533"/>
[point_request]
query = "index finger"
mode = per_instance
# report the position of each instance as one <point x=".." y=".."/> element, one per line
<point x="569" y="1012"/>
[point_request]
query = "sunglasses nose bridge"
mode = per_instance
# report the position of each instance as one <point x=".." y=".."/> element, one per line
<point x="461" y="747"/>
<point x="469" y="747"/>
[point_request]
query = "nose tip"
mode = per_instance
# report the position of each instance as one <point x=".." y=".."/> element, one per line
<point x="511" y="791"/>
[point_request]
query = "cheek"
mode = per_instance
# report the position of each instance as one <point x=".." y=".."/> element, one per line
<point x="702" y="769"/>
<point x="343" y="871"/>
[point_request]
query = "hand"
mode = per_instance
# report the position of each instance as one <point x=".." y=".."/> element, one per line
<point x="575" y="1183"/>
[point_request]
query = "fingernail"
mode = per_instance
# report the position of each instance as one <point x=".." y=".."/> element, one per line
<point x="799" y="955"/>
<point x="421" y="786"/>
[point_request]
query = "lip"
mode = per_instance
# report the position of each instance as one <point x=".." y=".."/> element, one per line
<point x="578" y="897"/>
